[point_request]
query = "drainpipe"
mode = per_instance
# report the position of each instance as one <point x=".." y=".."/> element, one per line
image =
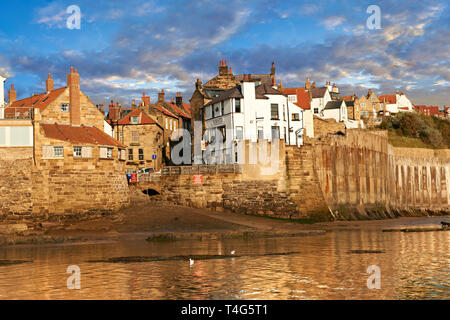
<point x="289" y="124"/>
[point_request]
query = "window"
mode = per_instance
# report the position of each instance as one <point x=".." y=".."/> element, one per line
<point x="260" y="133"/>
<point x="64" y="107"/>
<point x="292" y="98"/>
<point x="86" y="152"/>
<point x="295" y="117"/>
<point x="284" y="113"/>
<point x="239" y="133"/>
<point x="222" y="108"/>
<point x="316" y="110"/>
<point x="130" y="155"/>
<point x="275" y="133"/>
<point x="237" y="105"/>
<point x="167" y="124"/>
<point x="122" y="154"/>
<point x="53" y="152"/>
<point x="141" y="154"/>
<point x="58" y="152"/>
<point x="363" y="105"/>
<point x="121" y="136"/>
<point x="134" y="120"/>
<point x="274" y="111"/>
<point x="222" y="132"/>
<point x="106" y="153"/>
<point x="170" y="123"/>
<point x="364" y="113"/>
<point x="77" y="152"/>
<point x="285" y="135"/>
<point x="135" y="137"/>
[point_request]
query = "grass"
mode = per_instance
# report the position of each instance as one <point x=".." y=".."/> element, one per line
<point x="406" y="142"/>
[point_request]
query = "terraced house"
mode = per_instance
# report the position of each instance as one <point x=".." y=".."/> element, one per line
<point x="65" y="160"/>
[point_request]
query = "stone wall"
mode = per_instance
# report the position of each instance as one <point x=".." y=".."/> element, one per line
<point x="323" y="127"/>
<point x="356" y="176"/>
<point x="15" y="182"/>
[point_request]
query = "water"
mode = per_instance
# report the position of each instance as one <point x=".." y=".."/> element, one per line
<point x="413" y="266"/>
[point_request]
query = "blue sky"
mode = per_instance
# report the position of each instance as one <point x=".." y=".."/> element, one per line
<point x="126" y="47"/>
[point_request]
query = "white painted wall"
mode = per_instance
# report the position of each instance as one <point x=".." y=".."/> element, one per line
<point x="107" y="128"/>
<point x="404" y="102"/>
<point x="255" y="114"/>
<point x="16" y="136"/>
<point x="2" y="96"/>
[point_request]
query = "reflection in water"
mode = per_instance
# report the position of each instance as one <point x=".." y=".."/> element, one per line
<point x="333" y="266"/>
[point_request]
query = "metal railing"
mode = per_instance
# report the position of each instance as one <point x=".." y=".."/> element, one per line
<point x="17" y="113"/>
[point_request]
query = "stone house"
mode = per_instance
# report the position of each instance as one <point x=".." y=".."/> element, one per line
<point x="57" y="147"/>
<point x="144" y="138"/>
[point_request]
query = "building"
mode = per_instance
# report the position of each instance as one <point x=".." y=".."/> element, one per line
<point x="366" y="110"/>
<point x="250" y="111"/>
<point x="55" y="147"/>
<point x="429" y="110"/>
<point x="144" y="138"/>
<point x="225" y="80"/>
<point x="301" y="98"/>
<point x="395" y="103"/>
<point x="2" y="95"/>
<point x="326" y="103"/>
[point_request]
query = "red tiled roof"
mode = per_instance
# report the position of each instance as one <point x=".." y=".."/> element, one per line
<point x="390" y="98"/>
<point x="181" y="112"/>
<point x="81" y="134"/>
<point x="40" y="101"/>
<point x="348" y="98"/>
<point x="302" y="96"/>
<point x="163" y="110"/>
<point x="136" y="113"/>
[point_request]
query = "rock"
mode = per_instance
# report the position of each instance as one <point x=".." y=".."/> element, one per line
<point x="13" y="228"/>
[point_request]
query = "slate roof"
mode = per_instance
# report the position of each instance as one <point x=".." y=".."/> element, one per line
<point x="336" y="104"/>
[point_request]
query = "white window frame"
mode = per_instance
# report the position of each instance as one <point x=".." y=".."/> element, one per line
<point x="63" y="107"/>
<point x="77" y="154"/>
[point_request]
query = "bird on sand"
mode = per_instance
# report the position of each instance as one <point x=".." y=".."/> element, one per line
<point x="191" y="262"/>
<point x="233" y="252"/>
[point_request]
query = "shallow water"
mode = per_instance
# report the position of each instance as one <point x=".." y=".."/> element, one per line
<point x="332" y="266"/>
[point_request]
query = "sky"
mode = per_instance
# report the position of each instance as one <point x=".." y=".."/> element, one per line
<point x="124" y="48"/>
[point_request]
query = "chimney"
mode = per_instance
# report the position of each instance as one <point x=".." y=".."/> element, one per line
<point x="145" y="99"/>
<point x="73" y="82"/>
<point x="223" y="68"/>
<point x="12" y="94"/>
<point x="49" y="83"/>
<point x="245" y="77"/>
<point x="307" y="83"/>
<point x="179" y="99"/>
<point x="198" y="84"/>
<point x="162" y="96"/>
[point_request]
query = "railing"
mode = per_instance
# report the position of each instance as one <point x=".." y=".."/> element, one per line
<point x="17" y="113"/>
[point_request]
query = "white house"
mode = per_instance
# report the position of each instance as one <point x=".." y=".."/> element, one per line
<point x="250" y="112"/>
<point x="397" y="102"/>
<point x="327" y="104"/>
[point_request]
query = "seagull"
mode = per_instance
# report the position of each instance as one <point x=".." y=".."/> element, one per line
<point x="191" y="262"/>
<point x="233" y="252"/>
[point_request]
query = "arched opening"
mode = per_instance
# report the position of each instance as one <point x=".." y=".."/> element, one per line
<point x="151" y="192"/>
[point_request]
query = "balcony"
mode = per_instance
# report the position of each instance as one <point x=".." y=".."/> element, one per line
<point x="17" y="114"/>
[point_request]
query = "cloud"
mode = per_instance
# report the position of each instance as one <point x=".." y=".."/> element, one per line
<point x="334" y="21"/>
<point x="53" y="16"/>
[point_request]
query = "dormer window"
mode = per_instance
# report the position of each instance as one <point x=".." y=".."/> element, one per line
<point x="134" y="120"/>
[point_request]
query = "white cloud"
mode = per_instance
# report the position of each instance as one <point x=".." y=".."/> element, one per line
<point x="334" y="21"/>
